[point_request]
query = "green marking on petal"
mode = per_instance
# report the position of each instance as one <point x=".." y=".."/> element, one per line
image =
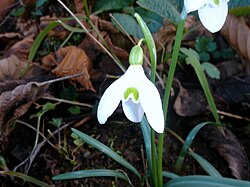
<point x="133" y="91"/>
<point x="217" y="2"/>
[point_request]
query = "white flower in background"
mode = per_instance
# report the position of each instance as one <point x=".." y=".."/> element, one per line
<point x="212" y="13"/>
<point x="137" y="93"/>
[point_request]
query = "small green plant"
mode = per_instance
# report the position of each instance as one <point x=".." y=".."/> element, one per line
<point x="57" y="122"/>
<point x="205" y="46"/>
<point x="207" y="49"/>
<point x="35" y="12"/>
<point x="77" y="141"/>
<point x="38" y="5"/>
<point x="75" y="110"/>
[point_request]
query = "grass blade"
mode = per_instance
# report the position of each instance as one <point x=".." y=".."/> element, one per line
<point x="44" y="32"/>
<point x="151" y="45"/>
<point x="193" y="59"/>
<point x="209" y="168"/>
<point x="145" y="128"/>
<point x="25" y="177"/>
<point x="39" y="39"/>
<point x="103" y="148"/>
<point x="207" y="181"/>
<point x="170" y="175"/>
<point x="188" y="142"/>
<point x="72" y="29"/>
<point x="91" y="173"/>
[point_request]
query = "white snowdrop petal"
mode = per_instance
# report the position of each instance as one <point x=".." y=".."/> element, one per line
<point x="134" y="77"/>
<point x="151" y="104"/>
<point x="110" y="100"/>
<point x="134" y="73"/>
<point x="133" y="111"/>
<point x="192" y="5"/>
<point x="213" y="18"/>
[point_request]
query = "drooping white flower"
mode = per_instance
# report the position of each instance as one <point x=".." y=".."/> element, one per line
<point x="137" y="94"/>
<point x="212" y="13"/>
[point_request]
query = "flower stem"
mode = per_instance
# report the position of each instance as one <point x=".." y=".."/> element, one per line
<point x="171" y="72"/>
<point x="153" y="155"/>
<point x="153" y="56"/>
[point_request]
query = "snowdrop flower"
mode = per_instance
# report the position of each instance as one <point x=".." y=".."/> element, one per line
<point x="137" y="94"/>
<point x="212" y="13"/>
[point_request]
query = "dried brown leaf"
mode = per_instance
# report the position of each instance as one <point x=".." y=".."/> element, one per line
<point x="11" y="68"/>
<point x="190" y="102"/>
<point x="27" y="27"/>
<point x="164" y="37"/>
<point x="117" y="42"/>
<point x="234" y="90"/>
<point x="229" y="148"/>
<point x="15" y="103"/>
<point x="71" y="60"/>
<point x="21" y="49"/>
<point x="6" y="37"/>
<point x="236" y="31"/>
<point x="6" y="6"/>
<point x="119" y="52"/>
<point x="79" y="6"/>
<point x="91" y="48"/>
<point x="106" y="25"/>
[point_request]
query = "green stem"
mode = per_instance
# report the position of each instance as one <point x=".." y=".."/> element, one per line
<point x="153" y="157"/>
<point x="171" y="72"/>
<point x="153" y="56"/>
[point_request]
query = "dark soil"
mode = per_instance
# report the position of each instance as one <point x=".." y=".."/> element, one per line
<point x="122" y="136"/>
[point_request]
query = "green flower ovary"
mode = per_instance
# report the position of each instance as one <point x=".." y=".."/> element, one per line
<point x="217" y="2"/>
<point x="133" y="91"/>
<point x="136" y="55"/>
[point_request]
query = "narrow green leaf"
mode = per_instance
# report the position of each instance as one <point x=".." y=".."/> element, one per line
<point x="43" y="33"/>
<point x="169" y="175"/>
<point x="188" y="142"/>
<point x="150" y="43"/>
<point x="69" y="28"/>
<point x="103" y="148"/>
<point x="39" y="39"/>
<point x="25" y="177"/>
<point x="205" y="165"/>
<point x="205" y="181"/>
<point x="145" y="128"/>
<point x="193" y="59"/>
<point x="163" y="8"/>
<point x="91" y="173"/>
